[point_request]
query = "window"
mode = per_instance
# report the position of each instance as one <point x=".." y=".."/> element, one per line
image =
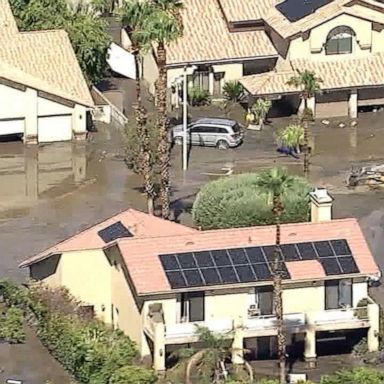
<point x="192" y="307"/>
<point x="208" y="129"/>
<point x="339" y="41"/>
<point x="338" y="294"/>
<point x="262" y="299"/>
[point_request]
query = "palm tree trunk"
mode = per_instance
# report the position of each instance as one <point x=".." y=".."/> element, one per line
<point x="162" y="125"/>
<point x="305" y="146"/>
<point x="192" y="362"/>
<point x="142" y="133"/>
<point x="277" y="291"/>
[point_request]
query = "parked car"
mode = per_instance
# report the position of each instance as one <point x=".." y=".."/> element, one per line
<point x="210" y="132"/>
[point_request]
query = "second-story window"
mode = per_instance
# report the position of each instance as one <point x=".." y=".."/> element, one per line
<point x="338" y="294"/>
<point x="339" y="41"/>
<point x="192" y="307"/>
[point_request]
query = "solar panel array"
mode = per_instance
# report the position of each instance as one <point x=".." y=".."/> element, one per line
<point x="295" y="10"/>
<point x="114" y="231"/>
<point x="251" y="264"/>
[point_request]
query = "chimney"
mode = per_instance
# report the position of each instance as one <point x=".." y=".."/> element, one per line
<point x="321" y="205"/>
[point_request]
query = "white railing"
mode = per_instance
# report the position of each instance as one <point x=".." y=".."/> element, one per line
<point x="189" y="329"/>
<point x="269" y="321"/>
<point x="341" y="315"/>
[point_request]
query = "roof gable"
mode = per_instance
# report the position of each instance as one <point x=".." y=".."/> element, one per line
<point x="43" y="60"/>
<point x="139" y="224"/>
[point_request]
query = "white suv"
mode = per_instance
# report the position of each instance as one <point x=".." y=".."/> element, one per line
<point x="212" y="132"/>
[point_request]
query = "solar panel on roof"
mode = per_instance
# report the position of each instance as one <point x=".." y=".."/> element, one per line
<point x="348" y="264"/>
<point x="331" y="265"/>
<point x="176" y="279"/>
<point x="113" y="232"/>
<point x="307" y="251"/>
<point x="186" y="260"/>
<point x="323" y="249"/>
<point x="255" y="254"/>
<point x="295" y="10"/>
<point x="244" y="265"/>
<point x="289" y="252"/>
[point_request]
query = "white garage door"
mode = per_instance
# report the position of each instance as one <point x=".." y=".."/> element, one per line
<point x="10" y="127"/>
<point x="55" y="128"/>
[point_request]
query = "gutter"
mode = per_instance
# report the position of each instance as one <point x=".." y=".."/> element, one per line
<point x="223" y="61"/>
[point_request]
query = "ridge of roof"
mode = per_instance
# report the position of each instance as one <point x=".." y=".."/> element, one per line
<point x="28" y="58"/>
<point x="136" y="221"/>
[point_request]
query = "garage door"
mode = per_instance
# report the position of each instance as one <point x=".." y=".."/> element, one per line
<point x="11" y="127"/>
<point x="55" y="128"/>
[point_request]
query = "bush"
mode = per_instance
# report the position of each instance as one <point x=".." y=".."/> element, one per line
<point x="132" y="145"/>
<point x="12" y="326"/>
<point x="198" y="96"/>
<point x="87" y="348"/>
<point x="237" y="201"/>
<point x="233" y="90"/>
<point x="133" y="375"/>
<point x="354" y="376"/>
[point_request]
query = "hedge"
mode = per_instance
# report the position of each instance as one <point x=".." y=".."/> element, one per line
<point x="237" y="201"/>
<point x="87" y="348"/>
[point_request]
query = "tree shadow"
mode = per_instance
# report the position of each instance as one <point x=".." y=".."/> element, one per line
<point x="182" y="205"/>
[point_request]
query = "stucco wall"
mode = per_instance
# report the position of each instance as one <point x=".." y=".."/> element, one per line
<point x="87" y="275"/>
<point x="219" y="306"/>
<point x="301" y="47"/>
<point x="308" y="299"/>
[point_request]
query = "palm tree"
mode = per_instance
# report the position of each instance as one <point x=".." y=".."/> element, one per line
<point x="216" y="348"/>
<point x="163" y="27"/>
<point x="275" y="182"/>
<point x="134" y="14"/>
<point x="260" y="110"/>
<point x="309" y="85"/>
<point x="291" y="136"/>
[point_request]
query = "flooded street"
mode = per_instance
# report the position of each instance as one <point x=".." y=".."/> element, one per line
<point x="50" y="192"/>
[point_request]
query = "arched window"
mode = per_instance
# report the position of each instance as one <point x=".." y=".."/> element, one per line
<point x="339" y="41"/>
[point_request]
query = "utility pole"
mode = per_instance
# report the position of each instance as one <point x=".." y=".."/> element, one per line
<point x="185" y="120"/>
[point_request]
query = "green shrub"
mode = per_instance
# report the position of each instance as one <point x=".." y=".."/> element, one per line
<point x="132" y="144"/>
<point x="354" y="376"/>
<point x="233" y="90"/>
<point x="87" y="348"/>
<point x="237" y="201"/>
<point x="133" y="375"/>
<point x="198" y="96"/>
<point x="12" y="326"/>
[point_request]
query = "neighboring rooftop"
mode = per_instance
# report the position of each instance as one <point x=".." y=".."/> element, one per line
<point x="207" y="38"/>
<point x="363" y="71"/>
<point x="146" y="271"/>
<point x="137" y="223"/>
<point x="43" y="60"/>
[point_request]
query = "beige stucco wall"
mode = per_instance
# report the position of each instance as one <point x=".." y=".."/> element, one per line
<point x="87" y="275"/>
<point x="27" y="104"/>
<point x="226" y="306"/>
<point x="301" y="47"/>
<point x="309" y="299"/>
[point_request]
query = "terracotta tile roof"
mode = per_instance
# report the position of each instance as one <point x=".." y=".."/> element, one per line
<point x="299" y="269"/>
<point x="43" y="60"/>
<point x="354" y="72"/>
<point x="207" y="38"/>
<point x="139" y="223"/>
<point x="147" y="275"/>
<point x="236" y="10"/>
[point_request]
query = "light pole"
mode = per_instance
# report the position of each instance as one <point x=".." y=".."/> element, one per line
<point x="185" y="120"/>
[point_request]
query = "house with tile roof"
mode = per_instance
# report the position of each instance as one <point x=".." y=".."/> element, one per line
<point x="44" y="95"/>
<point x="262" y="43"/>
<point x="156" y="280"/>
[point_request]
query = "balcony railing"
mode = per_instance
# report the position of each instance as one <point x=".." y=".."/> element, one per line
<point x="269" y="321"/>
<point x="342" y="315"/>
<point x="189" y="329"/>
